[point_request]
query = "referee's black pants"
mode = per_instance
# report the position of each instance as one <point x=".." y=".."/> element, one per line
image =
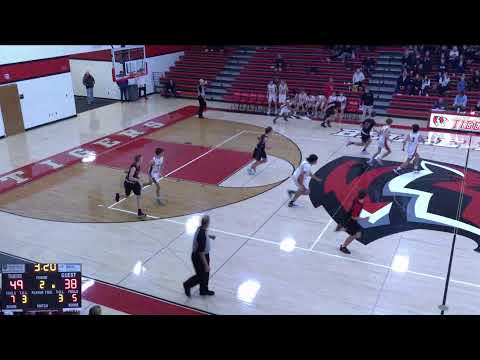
<point x="201" y="276"/>
<point x="202" y="106"/>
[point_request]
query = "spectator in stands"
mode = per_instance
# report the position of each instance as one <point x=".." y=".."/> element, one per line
<point x="477" y="107"/>
<point x="443" y="65"/>
<point x="368" y="65"/>
<point x="460" y="68"/>
<point x="420" y="70"/>
<point x="453" y="56"/>
<point x="89" y="82"/>
<point x="425" y="89"/>
<point x="279" y="63"/>
<point x="411" y="60"/>
<point x="403" y="81"/>
<point x="427" y="62"/>
<point x="358" y="78"/>
<point x="460" y="103"/>
<point x="462" y="84"/>
<point x="123" y="85"/>
<point x="416" y="85"/>
<point x="439" y="105"/>
<point x="475" y="84"/>
<point x="329" y="88"/>
<point x="366" y="102"/>
<point x="443" y="82"/>
<point x="95" y="310"/>
<point x="406" y="54"/>
<point x="171" y="87"/>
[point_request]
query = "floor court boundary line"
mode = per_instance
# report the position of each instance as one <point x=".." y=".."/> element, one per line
<point x="184" y="165"/>
<point x="352" y="259"/>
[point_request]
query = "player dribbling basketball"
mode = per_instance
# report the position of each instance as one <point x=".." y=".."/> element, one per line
<point x="412" y="140"/>
<point x="155" y="172"/>
<point x="382" y="142"/>
<point x="301" y="178"/>
<point x="132" y="183"/>
<point x="259" y="153"/>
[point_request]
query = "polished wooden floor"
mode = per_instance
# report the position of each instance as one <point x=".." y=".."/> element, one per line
<point x="84" y="192"/>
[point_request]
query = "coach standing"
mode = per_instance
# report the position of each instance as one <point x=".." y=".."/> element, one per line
<point x="89" y="82"/>
<point x="201" y="98"/>
<point x="200" y="259"/>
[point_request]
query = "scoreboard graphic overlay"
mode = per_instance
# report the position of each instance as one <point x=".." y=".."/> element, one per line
<point x="41" y="287"/>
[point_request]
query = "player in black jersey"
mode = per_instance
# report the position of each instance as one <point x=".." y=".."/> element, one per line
<point x="132" y="183"/>
<point x="259" y="153"/>
<point x="367" y="126"/>
<point x="332" y="112"/>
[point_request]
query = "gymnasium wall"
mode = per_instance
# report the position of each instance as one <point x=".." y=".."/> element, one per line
<point x="10" y="54"/>
<point x="46" y="99"/>
<point x="102" y="72"/>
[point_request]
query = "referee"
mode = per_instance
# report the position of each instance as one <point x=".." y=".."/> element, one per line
<point x="200" y="259"/>
<point x="201" y="98"/>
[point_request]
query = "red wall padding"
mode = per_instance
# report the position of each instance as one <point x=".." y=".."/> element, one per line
<point x="33" y="69"/>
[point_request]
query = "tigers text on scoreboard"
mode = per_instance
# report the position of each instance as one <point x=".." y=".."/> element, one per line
<point x="41" y="287"/>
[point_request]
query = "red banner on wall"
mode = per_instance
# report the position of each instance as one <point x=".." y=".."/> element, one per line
<point x="33" y="69"/>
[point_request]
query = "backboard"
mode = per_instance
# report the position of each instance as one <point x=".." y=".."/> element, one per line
<point x="128" y="62"/>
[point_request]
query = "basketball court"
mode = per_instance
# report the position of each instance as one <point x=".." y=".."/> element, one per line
<point x="57" y="205"/>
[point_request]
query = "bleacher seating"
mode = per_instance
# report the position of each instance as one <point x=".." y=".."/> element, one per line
<point x="194" y="65"/>
<point x="419" y="107"/>
<point x="255" y="76"/>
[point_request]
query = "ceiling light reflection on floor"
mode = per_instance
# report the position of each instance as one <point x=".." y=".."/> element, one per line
<point x="400" y="263"/>
<point x="138" y="268"/>
<point x="288" y="244"/>
<point x="247" y="291"/>
<point x="192" y="224"/>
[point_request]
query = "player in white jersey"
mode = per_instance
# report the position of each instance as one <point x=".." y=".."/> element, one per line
<point x="342" y="99"/>
<point x="312" y="100"/>
<point x="155" y="172"/>
<point x="382" y="143"/>
<point x="332" y="98"/>
<point x="272" y="96"/>
<point x="301" y="178"/>
<point x="282" y="92"/>
<point x="412" y="141"/>
<point x="285" y="112"/>
<point x="320" y="104"/>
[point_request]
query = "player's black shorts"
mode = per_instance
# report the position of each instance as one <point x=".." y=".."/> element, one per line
<point x="330" y="111"/>
<point x="259" y="154"/>
<point x="365" y="138"/>
<point x="129" y="187"/>
<point x="352" y="227"/>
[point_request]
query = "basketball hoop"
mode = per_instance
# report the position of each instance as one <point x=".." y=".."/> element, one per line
<point x="128" y="62"/>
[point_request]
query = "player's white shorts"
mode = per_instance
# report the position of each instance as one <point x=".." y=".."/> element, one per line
<point x="297" y="184"/>
<point x="284" y="112"/>
<point x="156" y="177"/>
<point x="282" y="99"/>
<point x="272" y="98"/>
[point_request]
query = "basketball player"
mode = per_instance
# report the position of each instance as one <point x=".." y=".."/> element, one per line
<point x="351" y="226"/>
<point x="155" y="172"/>
<point x="282" y="92"/>
<point x="332" y="98"/>
<point x="272" y="96"/>
<point x="320" y="104"/>
<point x="132" y="183"/>
<point x="312" y="100"/>
<point x="342" y="99"/>
<point x="259" y="153"/>
<point x="285" y="112"/>
<point x="301" y="178"/>
<point x="382" y="142"/>
<point x="331" y="113"/>
<point x="302" y="102"/>
<point x="367" y="126"/>
<point x="412" y="141"/>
